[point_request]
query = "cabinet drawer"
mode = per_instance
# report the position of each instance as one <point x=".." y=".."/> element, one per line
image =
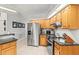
<point x="9" y="44"/>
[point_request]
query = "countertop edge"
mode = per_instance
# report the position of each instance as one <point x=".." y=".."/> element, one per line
<point x="8" y="41"/>
<point x="66" y="44"/>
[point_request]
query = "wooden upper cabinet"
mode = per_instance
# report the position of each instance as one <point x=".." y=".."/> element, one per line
<point x="40" y="21"/>
<point x="48" y="24"/>
<point x="65" y="18"/>
<point x="59" y="17"/>
<point x="52" y="20"/>
<point x="73" y="18"/>
<point x="70" y="17"/>
<point x="44" y="23"/>
<point x="55" y="18"/>
<point x="34" y="21"/>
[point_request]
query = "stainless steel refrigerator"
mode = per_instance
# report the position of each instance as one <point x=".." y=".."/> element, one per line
<point x="33" y="33"/>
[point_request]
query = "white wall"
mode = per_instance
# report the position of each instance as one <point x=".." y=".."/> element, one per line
<point x="19" y="32"/>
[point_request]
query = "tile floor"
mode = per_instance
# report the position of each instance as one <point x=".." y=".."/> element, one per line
<point x="23" y="49"/>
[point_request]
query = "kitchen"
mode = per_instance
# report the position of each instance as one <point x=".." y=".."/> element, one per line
<point x="39" y="29"/>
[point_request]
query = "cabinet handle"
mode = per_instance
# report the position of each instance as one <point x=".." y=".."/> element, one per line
<point x="4" y="28"/>
<point x="4" y="22"/>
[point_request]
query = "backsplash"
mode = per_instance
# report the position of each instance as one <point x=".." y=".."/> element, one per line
<point x="72" y="33"/>
<point x="75" y="33"/>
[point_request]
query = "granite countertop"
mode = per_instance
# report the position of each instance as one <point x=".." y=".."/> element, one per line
<point x="7" y="38"/>
<point x="65" y="44"/>
<point x="6" y="34"/>
<point x="3" y="41"/>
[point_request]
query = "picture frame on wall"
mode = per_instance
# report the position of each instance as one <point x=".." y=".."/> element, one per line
<point x="23" y="25"/>
<point x="18" y="25"/>
<point x="14" y="24"/>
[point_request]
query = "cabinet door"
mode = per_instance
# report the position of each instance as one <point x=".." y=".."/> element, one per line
<point x="64" y="18"/>
<point x="73" y="17"/>
<point x="56" y="52"/>
<point x="9" y="44"/>
<point x="75" y="50"/>
<point x="55" y="18"/>
<point x="43" y="41"/>
<point x="9" y="51"/>
<point x="0" y="52"/>
<point x="65" y="50"/>
<point x="47" y="24"/>
<point x="0" y="49"/>
<point x="78" y="17"/>
<point x="59" y="17"/>
<point x="52" y="20"/>
<point x="42" y="23"/>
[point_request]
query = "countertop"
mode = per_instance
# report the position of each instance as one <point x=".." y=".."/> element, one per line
<point x="6" y="34"/>
<point x="3" y="41"/>
<point x="70" y="33"/>
<point x="65" y="44"/>
<point x="5" y="38"/>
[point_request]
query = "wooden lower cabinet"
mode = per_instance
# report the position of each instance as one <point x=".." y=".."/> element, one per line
<point x="8" y="48"/>
<point x="75" y="50"/>
<point x="0" y="52"/>
<point x="0" y="49"/>
<point x="66" y="50"/>
<point x="57" y="52"/>
<point x="9" y="51"/>
<point x="43" y="40"/>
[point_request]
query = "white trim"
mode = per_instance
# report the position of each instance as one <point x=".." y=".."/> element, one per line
<point x="57" y="10"/>
<point x="7" y="9"/>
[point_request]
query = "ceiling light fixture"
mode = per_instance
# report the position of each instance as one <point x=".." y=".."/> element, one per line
<point x="7" y="9"/>
<point x="58" y="9"/>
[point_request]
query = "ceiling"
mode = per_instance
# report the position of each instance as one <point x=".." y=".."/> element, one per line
<point x="32" y="11"/>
